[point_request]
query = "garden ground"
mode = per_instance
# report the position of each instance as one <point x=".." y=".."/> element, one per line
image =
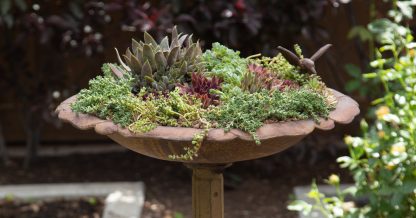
<point x="255" y="189"/>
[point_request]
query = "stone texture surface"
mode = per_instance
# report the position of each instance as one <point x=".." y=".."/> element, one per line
<point x="68" y="190"/>
<point x="125" y="203"/>
<point x="124" y="199"/>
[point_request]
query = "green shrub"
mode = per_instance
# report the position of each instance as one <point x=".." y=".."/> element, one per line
<point x="383" y="160"/>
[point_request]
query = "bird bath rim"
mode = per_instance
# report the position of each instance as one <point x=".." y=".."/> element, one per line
<point x="218" y="146"/>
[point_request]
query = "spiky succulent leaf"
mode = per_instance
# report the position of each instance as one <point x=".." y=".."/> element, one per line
<point x="164" y="44"/>
<point x="121" y="61"/>
<point x="175" y="60"/>
<point x="146" y="70"/>
<point x="135" y="65"/>
<point x="148" y="39"/>
<point x="161" y="61"/>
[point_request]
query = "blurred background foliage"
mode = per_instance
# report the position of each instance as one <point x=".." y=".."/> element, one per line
<point x="382" y="159"/>
<point x="49" y="49"/>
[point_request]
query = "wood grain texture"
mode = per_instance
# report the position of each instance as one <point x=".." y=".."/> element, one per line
<point x="207" y="191"/>
<point x="219" y="146"/>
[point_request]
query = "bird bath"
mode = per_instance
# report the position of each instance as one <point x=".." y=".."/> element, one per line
<point x="219" y="149"/>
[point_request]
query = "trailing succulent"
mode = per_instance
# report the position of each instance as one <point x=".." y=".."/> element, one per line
<point x="175" y="83"/>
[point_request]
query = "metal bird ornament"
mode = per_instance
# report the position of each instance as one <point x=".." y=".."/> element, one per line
<point x="304" y="63"/>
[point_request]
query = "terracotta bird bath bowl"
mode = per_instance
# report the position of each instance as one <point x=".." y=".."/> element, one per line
<point x="219" y="149"/>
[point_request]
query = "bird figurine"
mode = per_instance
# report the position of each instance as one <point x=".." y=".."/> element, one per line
<point x="307" y="64"/>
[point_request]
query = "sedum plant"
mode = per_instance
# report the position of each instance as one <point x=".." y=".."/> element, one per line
<point x="246" y="111"/>
<point x="108" y="98"/>
<point x="174" y="83"/>
<point x="225" y="63"/>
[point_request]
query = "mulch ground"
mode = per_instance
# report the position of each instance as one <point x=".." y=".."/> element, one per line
<point x="253" y="189"/>
<point x="77" y="208"/>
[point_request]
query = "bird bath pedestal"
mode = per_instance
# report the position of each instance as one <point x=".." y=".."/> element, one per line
<point x="207" y="190"/>
<point x="218" y="151"/>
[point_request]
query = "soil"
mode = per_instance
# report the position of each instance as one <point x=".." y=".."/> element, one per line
<point x="78" y="208"/>
<point x="253" y="189"/>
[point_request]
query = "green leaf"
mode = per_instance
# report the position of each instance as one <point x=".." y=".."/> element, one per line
<point x="380" y="25"/>
<point x="397" y="198"/>
<point x="128" y="53"/>
<point x="21" y="4"/>
<point x="5" y="6"/>
<point x="378" y="101"/>
<point x="148" y="39"/>
<point x="121" y="61"/>
<point x="190" y="53"/>
<point x="182" y="39"/>
<point x="408" y="187"/>
<point x="148" y="55"/>
<point x="353" y="70"/>
<point x="146" y="69"/>
<point x="387" y="31"/>
<point x="370" y="75"/>
<point x="184" y="67"/>
<point x="387" y="48"/>
<point x="344" y="161"/>
<point x="352" y="86"/>
<point x="161" y="61"/>
<point x="127" y="60"/>
<point x="8" y="19"/>
<point x="75" y="9"/>
<point x="299" y="205"/>
<point x="136" y="65"/>
<point x="173" y="55"/>
<point x="178" y="215"/>
<point x="174" y="38"/>
<point x="406" y="8"/>
<point x="350" y="191"/>
<point x="134" y="45"/>
<point x="361" y="32"/>
<point x="164" y="44"/>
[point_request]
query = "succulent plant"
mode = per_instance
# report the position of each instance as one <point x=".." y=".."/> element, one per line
<point x="315" y="83"/>
<point x="288" y="84"/>
<point x="201" y="88"/>
<point x="160" y="67"/>
<point x="258" y="77"/>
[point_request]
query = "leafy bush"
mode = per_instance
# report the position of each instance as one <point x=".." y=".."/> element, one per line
<point x="382" y="161"/>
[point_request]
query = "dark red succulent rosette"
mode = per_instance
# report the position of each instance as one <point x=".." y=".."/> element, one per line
<point x="201" y="87"/>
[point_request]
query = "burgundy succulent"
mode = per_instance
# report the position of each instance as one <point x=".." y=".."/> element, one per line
<point x="288" y="84"/>
<point x="254" y="68"/>
<point x="200" y="87"/>
<point x="258" y="78"/>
